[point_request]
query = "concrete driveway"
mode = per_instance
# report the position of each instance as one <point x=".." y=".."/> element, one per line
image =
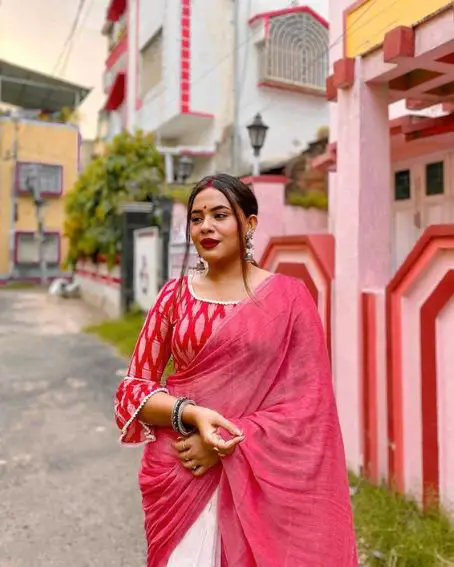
<point x="68" y="491"/>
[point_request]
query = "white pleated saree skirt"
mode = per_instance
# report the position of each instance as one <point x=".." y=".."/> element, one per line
<point x="200" y="547"/>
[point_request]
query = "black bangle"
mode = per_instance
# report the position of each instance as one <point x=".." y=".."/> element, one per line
<point x="174" y="418"/>
<point x="177" y="417"/>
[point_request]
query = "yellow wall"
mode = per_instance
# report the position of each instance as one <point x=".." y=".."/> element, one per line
<point x="367" y="24"/>
<point x="38" y="142"/>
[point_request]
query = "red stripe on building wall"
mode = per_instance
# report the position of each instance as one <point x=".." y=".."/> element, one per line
<point x="435" y="238"/>
<point x="370" y="410"/>
<point x="429" y="392"/>
<point x="185" y="55"/>
<point x="138" y="97"/>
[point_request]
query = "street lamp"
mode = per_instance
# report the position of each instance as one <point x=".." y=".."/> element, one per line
<point x="257" y="134"/>
<point x="185" y="168"/>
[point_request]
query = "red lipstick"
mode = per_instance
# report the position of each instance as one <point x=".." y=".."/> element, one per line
<point x="209" y="243"/>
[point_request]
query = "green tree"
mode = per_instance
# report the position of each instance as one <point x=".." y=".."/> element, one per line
<point x="131" y="169"/>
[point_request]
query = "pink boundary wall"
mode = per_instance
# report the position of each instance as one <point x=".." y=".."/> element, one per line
<point x="100" y="287"/>
<point x="406" y="410"/>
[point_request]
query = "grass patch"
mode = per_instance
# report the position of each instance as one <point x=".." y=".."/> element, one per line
<point x="121" y="333"/>
<point x="20" y="285"/>
<point x="393" y="532"/>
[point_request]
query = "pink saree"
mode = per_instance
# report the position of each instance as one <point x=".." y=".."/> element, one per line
<point x="283" y="495"/>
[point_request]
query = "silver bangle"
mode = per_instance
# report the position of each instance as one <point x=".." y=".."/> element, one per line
<point x="182" y="428"/>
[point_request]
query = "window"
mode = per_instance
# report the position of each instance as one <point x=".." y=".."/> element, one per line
<point x="435" y="178"/>
<point x="47" y="178"/>
<point x="295" y="52"/>
<point x="402" y="185"/>
<point x="28" y="248"/>
<point x="151" y="63"/>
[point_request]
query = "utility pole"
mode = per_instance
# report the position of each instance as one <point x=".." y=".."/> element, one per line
<point x="13" y="207"/>
<point x="35" y="186"/>
<point x="236" y="89"/>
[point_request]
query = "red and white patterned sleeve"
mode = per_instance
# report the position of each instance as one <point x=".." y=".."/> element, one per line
<point x="148" y="362"/>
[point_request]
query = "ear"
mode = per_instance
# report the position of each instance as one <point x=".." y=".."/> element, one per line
<point x="251" y="223"/>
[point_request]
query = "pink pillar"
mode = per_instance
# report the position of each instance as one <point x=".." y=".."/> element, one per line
<point x="362" y="229"/>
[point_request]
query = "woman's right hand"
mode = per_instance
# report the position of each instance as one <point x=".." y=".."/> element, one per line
<point x="207" y="422"/>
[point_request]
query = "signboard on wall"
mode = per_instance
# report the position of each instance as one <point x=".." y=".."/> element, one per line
<point x="147" y="266"/>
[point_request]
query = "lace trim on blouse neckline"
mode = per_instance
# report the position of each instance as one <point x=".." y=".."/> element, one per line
<point x="198" y="298"/>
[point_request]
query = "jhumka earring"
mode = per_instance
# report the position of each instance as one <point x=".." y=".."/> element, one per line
<point x="200" y="267"/>
<point x="249" y="245"/>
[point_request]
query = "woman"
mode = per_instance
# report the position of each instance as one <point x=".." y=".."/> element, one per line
<point x="245" y="465"/>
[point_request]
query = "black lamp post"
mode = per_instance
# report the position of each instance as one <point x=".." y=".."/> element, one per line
<point x="257" y="134"/>
<point x="185" y="168"/>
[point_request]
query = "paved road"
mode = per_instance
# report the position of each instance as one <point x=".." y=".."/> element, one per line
<point x="68" y="491"/>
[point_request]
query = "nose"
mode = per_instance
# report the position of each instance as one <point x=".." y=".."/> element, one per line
<point x="206" y="225"/>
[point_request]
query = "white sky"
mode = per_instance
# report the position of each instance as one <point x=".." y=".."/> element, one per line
<point x="33" y="32"/>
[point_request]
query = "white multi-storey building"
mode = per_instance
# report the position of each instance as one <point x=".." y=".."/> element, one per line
<point x="195" y="71"/>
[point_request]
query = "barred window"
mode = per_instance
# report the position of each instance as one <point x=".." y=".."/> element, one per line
<point x="28" y="248"/>
<point x="47" y="178"/>
<point x="296" y="51"/>
<point x="151" y="63"/>
<point x="435" y="178"/>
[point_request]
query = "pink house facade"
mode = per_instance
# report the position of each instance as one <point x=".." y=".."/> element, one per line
<point x="383" y="277"/>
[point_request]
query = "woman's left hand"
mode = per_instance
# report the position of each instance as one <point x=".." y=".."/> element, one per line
<point x="196" y="456"/>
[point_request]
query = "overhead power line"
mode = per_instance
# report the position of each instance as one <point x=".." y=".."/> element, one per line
<point x="65" y="52"/>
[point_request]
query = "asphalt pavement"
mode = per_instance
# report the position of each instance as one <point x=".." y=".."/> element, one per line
<point x="68" y="491"/>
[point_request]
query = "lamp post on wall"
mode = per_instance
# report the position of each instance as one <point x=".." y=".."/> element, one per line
<point x="257" y="134"/>
<point x="185" y="168"/>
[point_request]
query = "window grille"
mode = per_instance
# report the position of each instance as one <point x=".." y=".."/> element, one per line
<point x="49" y="177"/>
<point x="295" y="52"/>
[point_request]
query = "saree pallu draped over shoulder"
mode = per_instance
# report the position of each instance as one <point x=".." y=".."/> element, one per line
<point x="283" y="495"/>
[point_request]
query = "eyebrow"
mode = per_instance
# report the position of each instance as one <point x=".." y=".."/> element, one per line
<point x="218" y="208"/>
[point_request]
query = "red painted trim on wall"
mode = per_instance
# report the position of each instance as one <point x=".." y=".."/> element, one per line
<point x="47" y="233"/>
<point x="369" y="394"/>
<point x="139" y="101"/>
<point x="321" y="247"/>
<point x="294" y="10"/>
<point x="433" y="306"/>
<point x="117" y="92"/>
<point x="435" y="237"/>
<point x="102" y="278"/>
<point x="185" y="63"/>
<point x="25" y="192"/>
<point x="119" y="49"/>
<point x="115" y="10"/>
<point x="185" y="57"/>
<point x="300" y="271"/>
